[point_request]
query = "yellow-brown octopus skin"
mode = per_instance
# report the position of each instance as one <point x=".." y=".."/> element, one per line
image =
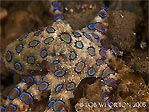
<point x="68" y="56"/>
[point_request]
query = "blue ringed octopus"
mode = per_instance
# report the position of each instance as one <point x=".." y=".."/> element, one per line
<point x="68" y="56"/>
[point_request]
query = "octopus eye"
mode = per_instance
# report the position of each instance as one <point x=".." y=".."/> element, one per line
<point x="48" y="40"/>
<point x="50" y="29"/>
<point x="8" y="56"/>
<point x="91" y="51"/>
<point x="11" y="107"/>
<point x="55" y="62"/>
<point x="111" y="82"/>
<point x="60" y="73"/>
<point x="77" y="34"/>
<point x="88" y="36"/>
<point x="19" y="48"/>
<point x="58" y="105"/>
<point x="18" y="66"/>
<point x="70" y="86"/>
<point x="91" y="71"/>
<point x="14" y="93"/>
<point x="99" y="62"/>
<point x="79" y="44"/>
<point x="43" y="86"/>
<point x="51" y="103"/>
<point x="91" y="26"/>
<point x="72" y="55"/>
<point x="106" y="72"/>
<point x="30" y="59"/>
<point x="65" y="37"/>
<point x="58" y="87"/>
<point x="99" y="27"/>
<point x="26" y="97"/>
<point x="44" y="53"/>
<point x="33" y="43"/>
<point x="23" y="37"/>
<point x="79" y="67"/>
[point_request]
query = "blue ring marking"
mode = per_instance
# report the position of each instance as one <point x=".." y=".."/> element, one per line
<point x="9" y="56"/>
<point x="63" y="55"/>
<point x="87" y="36"/>
<point x="51" y="103"/>
<point x="12" y="106"/>
<point x="59" y="108"/>
<point x="30" y="98"/>
<point x="72" y="55"/>
<point x="55" y="5"/>
<point x="33" y="43"/>
<point x="70" y="84"/>
<point x="55" y="62"/>
<point x="52" y="54"/>
<point x="50" y="29"/>
<point x="30" y="59"/>
<point x="91" y="51"/>
<point x="101" y="27"/>
<point x="58" y="87"/>
<point x="19" y="48"/>
<point x="102" y="52"/>
<point x="14" y="90"/>
<point x="79" y="44"/>
<point x="116" y="51"/>
<point x="91" y="26"/>
<point x="46" y="84"/>
<point x="3" y="109"/>
<point x="95" y="36"/>
<point x="113" y="84"/>
<point x="111" y="110"/>
<point x="105" y="8"/>
<point x="18" y="66"/>
<point x="79" y="70"/>
<point x="58" y="16"/>
<point x="66" y="38"/>
<point x="102" y="15"/>
<point x="104" y="93"/>
<point x="43" y="53"/>
<point x="108" y="102"/>
<point x="32" y="71"/>
<point x="38" y="65"/>
<point x="77" y="34"/>
<point x="40" y="80"/>
<point x="108" y="73"/>
<point x="48" y="40"/>
<point x="37" y="33"/>
<point x="91" y="71"/>
<point x="25" y="80"/>
<point x="23" y="37"/>
<point x="99" y="62"/>
<point x="60" y="73"/>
